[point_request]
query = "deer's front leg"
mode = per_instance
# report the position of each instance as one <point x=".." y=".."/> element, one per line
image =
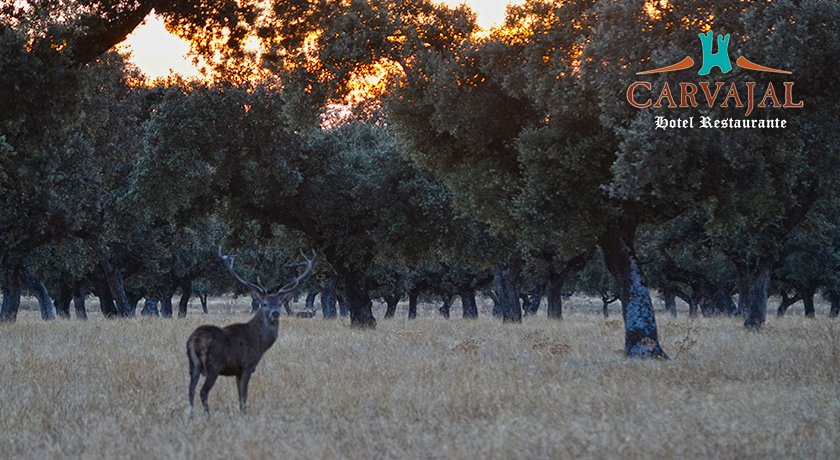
<point x="242" y="383"/>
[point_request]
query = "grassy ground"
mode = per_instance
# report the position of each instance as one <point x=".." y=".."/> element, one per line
<point x="428" y="388"/>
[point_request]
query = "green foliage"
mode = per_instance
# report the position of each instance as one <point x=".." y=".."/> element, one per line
<point x="514" y="145"/>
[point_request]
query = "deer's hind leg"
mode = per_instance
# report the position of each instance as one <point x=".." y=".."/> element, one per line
<point x="195" y="373"/>
<point x="209" y="381"/>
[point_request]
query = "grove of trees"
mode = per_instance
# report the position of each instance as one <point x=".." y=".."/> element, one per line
<point x="504" y="163"/>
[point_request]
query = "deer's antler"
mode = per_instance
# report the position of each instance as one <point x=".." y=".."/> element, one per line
<point x="228" y="261"/>
<point x="293" y="284"/>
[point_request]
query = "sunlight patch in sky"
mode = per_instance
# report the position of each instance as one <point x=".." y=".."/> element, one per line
<point x="157" y="52"/>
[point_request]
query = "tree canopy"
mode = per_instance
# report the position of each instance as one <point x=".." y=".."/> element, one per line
<point x="417" y="152"/>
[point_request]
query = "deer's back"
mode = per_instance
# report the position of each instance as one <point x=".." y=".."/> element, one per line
<point x="226" y="351"/>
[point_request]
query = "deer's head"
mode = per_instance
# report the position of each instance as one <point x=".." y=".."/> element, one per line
<point x="270" y="300"/>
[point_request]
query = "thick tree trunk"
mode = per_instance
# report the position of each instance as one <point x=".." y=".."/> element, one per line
<point x="358" y="300"/>
<point x="605" y="305"/>
<point x="835" y="305"/>
<point x="117" y="286"/>
<point x="79" y="301"/>
<point x="693" y="309"/>
<point x="134" y="299"/>
<point x="11" y="296"/>
<point x="641" y="337"/>
<point x="328" y="300"/>
<point x="717" y="301"/>
<point x="106" y="300"/>
<point x="468" y="303"/>
<point x="446" y="305"/>
<point x="808" y="300"/>
<point x="391" y="302"/>
<point x="554" y="294"/>
<point x="45" y="303"/>
<point x="497" y="305"/>
<point x="506" y="283"/>
<point x="343" y="306"/>
<point x="670" y="300"/>
<point x="785" y="303"/>
<point x="150" y="307"/>
<point x="525" y="301"/>
<point x="165" y="297"/>
<point x="724" y="302"/>
<point x="531" y="304"/>
<point x="310" y="299"/>
<point x="412" y="303"/>
<point x="753" y="282"/>
<point x="203" y="299"/>
<point x="556" y="281"/>
<point x="184" y="301"/>
<point x="62" y="300"/>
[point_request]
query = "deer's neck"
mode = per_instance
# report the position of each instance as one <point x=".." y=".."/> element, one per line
<point x="265" y="332"/>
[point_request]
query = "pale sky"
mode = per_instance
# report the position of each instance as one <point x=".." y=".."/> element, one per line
<point x="157" y="52"/>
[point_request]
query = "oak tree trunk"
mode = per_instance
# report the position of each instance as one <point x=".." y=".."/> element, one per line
<point x="786" y="303"/>
<point x="412" y="303"/>
<point x="468" y="303"/>
<point x="641" y="337"/>
<point x="106" y="300"/>
<point x="605" y="304"/>
<point x="11" y="295"/>
<point x="34" y="284"/>
<point x="506" y="283"/>
<point x="310" y="299"/>
<point x="554" y="297"/>
<point x="165" y="297"/>
<point x="670" y="300"/>
<point x="184" y="301"/>
<point x="328" y="300"/>
<point x="343" y="306"/>
<point x="150" y="307"/>
<point x="116" y="284"/>
<point x="496" y="312"/>
<point x="753" y="282"/>
<point x="446" y="305"/>
<point x="808" y="300"/>
<point x="835" y="306"/>
<point x="134" y="299"/>
<point x="391" y="302"/>
<point x="358" y="300"/>
<point x="717" y="301"/>
<point x="531" y="304"/>
<point x="79" y="301"/>
<point x="556" y="281"/>
<point x="61" y="302"/>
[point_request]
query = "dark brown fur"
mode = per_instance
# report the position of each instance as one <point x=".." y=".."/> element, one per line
<point x="234" y="350"/>
<point x="237" y="349"/>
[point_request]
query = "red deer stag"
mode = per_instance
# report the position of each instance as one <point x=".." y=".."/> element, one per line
<point x="237" y="349"/>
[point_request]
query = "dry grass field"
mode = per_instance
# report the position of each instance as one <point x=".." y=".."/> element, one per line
<point x="428" y="388"/>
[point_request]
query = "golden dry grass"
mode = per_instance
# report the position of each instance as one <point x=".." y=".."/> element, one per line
<point x="428" y="388"/>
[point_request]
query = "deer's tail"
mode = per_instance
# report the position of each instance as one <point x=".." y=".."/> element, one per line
<point x="192" y="355"/>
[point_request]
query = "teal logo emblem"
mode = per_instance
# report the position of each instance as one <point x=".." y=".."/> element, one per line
<point x="712" y="59"/>
<point x="719" y="59"/>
